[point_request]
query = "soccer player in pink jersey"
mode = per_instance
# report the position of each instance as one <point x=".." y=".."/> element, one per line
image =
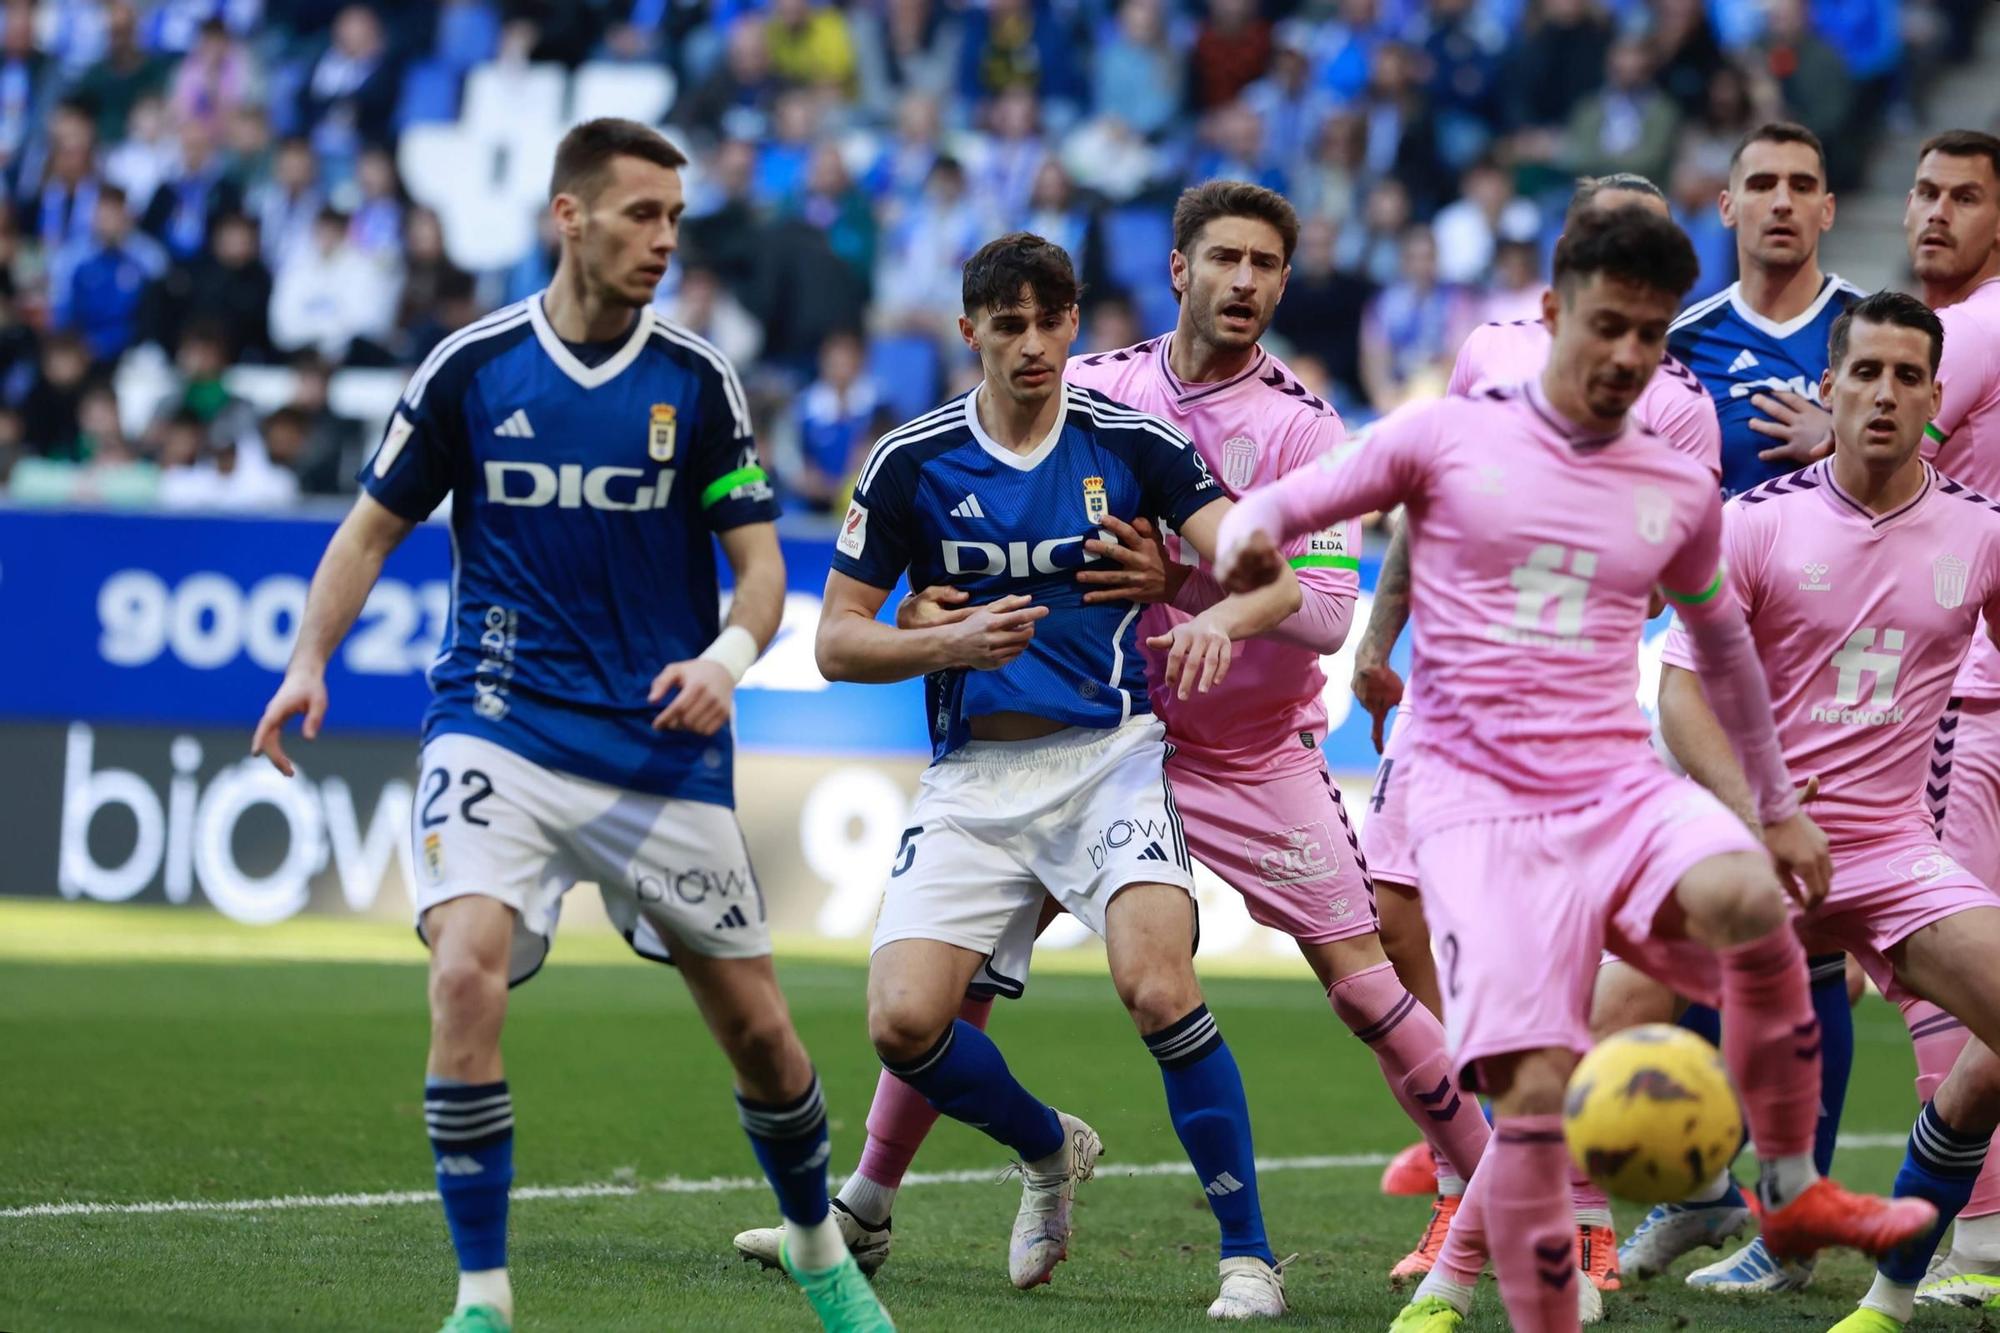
<point x="1546" y="829"/>
<point x="1675" y="407"/>
<point x="1257" y="804"/>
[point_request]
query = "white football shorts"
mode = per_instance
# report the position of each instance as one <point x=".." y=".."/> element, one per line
<point x="485" y="821"/>
<point x="1079" y="814"/>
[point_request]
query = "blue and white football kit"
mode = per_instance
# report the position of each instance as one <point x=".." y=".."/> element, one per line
<point x="1081" y="813"/>
<point x="584" y="502"/>
<point x="1736" y="353"/>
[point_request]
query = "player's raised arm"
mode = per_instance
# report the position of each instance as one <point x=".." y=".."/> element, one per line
<point x="852" y="645"/>
<point x="340" y="586"/>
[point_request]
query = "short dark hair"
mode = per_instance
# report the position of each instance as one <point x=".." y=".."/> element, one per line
<point x="1200" y="205"/>
<point x="996" y="274"/>
<point x="1633" y="244"/>
<point x="1964" y="143"/>
<point x="1886" y="307"/>
<point x="583" y="159"/>
<point x="1781" y="131"/>
<point x="1589" y="187"/>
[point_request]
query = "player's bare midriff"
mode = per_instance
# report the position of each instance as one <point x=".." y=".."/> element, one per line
<point x="1012" y="727"/>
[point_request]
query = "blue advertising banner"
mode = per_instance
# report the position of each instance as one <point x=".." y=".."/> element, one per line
<point x="188" y="621"/>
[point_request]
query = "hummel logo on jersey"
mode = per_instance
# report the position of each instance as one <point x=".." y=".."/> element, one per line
<point x="516" y="427"/>
<point x="1744" y="361"/>
<point x="1152" y="853"/>
<point x="968" y="508"/>
<point x="1815" y="577"/>
<point x="458" y="1164"/>
<point x="732" y="919"/>
<point x="1222" y="1185"/>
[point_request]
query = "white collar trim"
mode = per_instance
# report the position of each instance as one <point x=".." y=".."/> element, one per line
<point x="1019" y="462"/>
<point x="588" y="376"/>
<point x="1829" y="284"/>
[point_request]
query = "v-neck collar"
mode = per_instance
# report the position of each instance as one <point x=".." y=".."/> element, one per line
<point x="604" y="372"/>
<point x="1828" y="285"/>
<point x="1840" y="499"/>
<point x="1184" y="394"/>
<point x="1019" y="462"/>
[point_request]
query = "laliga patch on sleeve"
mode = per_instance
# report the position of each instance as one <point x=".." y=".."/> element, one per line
<point x="853" y="531"/>
<point x="393" y="441"/>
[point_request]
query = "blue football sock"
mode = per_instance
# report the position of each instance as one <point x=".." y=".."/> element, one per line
<point x="472" y="1136"/>
<point x="789" y="1139"/>
<point x="1705" y="1022"/>
<point x="1941" y="1165"/>
<point x="1205" y="1099"/>
<point x="1836" y="1050"/>
<point x="965" y="1077"/>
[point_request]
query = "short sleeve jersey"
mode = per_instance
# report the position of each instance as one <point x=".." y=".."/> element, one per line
<point x="585" y="500"/>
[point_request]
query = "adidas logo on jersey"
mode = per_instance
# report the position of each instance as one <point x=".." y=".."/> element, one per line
<point x="1223" y="1184"/>
<point x="968" y="508"/>
<point x="1744" y="361"/>
<point x="457" y="1164"/>
<point x="516" y="427"/>
<point x="732" y="919"/>
<point x="1153" y="852"/>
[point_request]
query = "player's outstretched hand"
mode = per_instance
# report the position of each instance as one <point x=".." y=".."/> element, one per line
<point x="939" y="604"/>
<point x="995" y="634"/>
<point x="1804" y="865"/>
<point x="1139" y="565"/>
<point x="1379" y="689"/>
<point x="1249" y="565"/>
<point x="1198" y="653"/>
<point x="1803" y="431"/>
<point x="299" y="693"/>
<point x="702" y="705"/>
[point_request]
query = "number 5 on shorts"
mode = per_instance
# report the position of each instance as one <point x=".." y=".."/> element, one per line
<point x="906" y="852"/>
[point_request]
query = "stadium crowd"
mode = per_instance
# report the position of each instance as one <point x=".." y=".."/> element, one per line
<point x="201" y="186"/>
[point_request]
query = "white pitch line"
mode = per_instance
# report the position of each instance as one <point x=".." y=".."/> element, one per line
<point x="710" y="1185"/>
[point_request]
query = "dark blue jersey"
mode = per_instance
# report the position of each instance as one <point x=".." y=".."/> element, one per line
<point x="583" y="503"/>
<point x="940" y="500"/>
<point x="1735" y="353"/>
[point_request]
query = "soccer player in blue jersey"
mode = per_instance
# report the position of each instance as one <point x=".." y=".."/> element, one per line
<point x="1759" y="345"/>
<point x="579" y="728"/>
<point x="1049" y="772"/>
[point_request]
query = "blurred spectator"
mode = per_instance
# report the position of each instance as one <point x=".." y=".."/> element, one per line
<point x="249" y="146"/>
<point x="375" y="226"/>
<point x="1487" y="211"/>
<point x="1235" y="149"/>
<point x="1011" y="157"/>
<point x="20" y="350"/>
<point x="200" y="362"/>
<point x="1110" y="323"/>
<point x="1320" y="314"/>
<point x="437" y="294"/>
<point x="810" y="46"/>
<point x="917" y="287"/>
<point x="49" y="408"/>
<point x="58" y="204"/>
<point x="1373" y="245"/>
<point x="1693" y="196"/>
<point x="1017" y="44"/>
<point x="1556" y="62"/>
<point x="782" y="157"/>
<point x="839" y="416"/>
<point x="1817" y="87"/>
<point x="705" y="307"/>
<point x="350" y="96"/>
<point x="1137" y="73"/>
<point x="1401" y="137"/>
<point x="1345" y="47"/>
<point x="334" y="446"/>
<point x="1412" y="330"/>
<point x="727" y="233"/>
<point x="904" y="46"/>
<point x="734" y="101"/>
<point x="286" y="204"/>
<point x="127" y="72"/>
<point x="1331" y="183"/>
<point x="1462" y="46"/>
<point x="96" y="286"/>
<point x="214" y="80"/>
<point x="1517" y="286"/>
<point x="1686" y="55"/>
<point x="831" y="202"/>
<point x="1232" y="51"/>
<point x="1055" y="213"/>
<point x="201" y="469"/>
<point x="909" y="153"/>
<point x="188" y="479"/>
<point x="1109" y="158"/>
<point x="145" y="157"/>
<point x="195" y="193"/>
<point x="1709" y="138"/>
<point x="1628" y="125"/>
<point x="25" y="82"/>
<point x="229" y="286"/>
<point x="106" y="469"/>
<point x="330" y="297"/>
<point x="1291" y="108"/>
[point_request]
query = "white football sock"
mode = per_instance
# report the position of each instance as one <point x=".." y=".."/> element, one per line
<point x="1449" y="1184"/>
<point x="816" y="1248"/>
<point x="1594" y="1217"/>
<point x="1785" y="1179"/>
<point x="1714" y="1190"/>
<point x="867" y="1199"/>
<point x="1458" y="1295"/>
<point x="1977" y="1238"/>
<point x="1891" y="1298"/>
<point x="489" y="1286"/>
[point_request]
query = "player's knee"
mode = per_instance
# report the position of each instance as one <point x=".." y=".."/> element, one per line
<point x="1733" y="900"/>
<point x="1527" y="1082"/>
<point x="761" y="1047"/>
<point x="465" y="989"/>
<point x="1159" y="998"/>
<point x="901" y="1033"/>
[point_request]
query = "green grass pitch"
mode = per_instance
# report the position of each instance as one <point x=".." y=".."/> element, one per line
<point x="148" y="1058"/>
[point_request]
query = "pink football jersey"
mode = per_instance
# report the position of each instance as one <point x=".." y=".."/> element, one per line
<point x="1964" y="441"/>
<point x="1534" y="550"/>
<point x="1673" y="404"/>
<point x="1251" y="429"/>
<point x="1860" y="621"/>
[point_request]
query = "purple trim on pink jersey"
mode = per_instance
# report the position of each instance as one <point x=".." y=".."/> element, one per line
<point x="1874" y="520"/>
<point x="1674" y="370"/>
<point x="1567" y="429"/>
<point x="1802" y="480"/>
<point x="1946" y="486"/>
<point x="1186" y="393"/>
<point x="1123" y="353"/>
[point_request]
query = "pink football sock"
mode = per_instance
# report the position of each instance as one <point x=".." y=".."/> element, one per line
<point x="1770" y="1039"/>
<point x="1529" y="1224"/>
<point x="1590" y="1205"/>
<point x="1938" y="1038"/>
<point x="1464" y="1255"/>
<point x="1408" y="1042"/>
<point x="899" y="1119"/>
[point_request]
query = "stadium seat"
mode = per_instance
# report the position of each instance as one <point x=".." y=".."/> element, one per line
<point x="905" y="366"/>
<point x="501" y="99"/>
<point x="467" y="35"/>
<point x="463" y="175"/>
<point x="1137" y="240"/>
<point x="644" y="93"/>
<point x="430" y="95"/>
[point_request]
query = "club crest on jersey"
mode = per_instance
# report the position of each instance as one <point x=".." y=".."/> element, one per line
<point x="434" y="857"/>
<point x="660" y="433"/>
<point x="1096" y="500"/>
<point x="1239" y="462"/>
<point x="1948" y="581"/>
<point x="1654" y="513"/>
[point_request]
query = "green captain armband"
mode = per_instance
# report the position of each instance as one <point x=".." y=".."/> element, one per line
<point x="718" y="490"/>
<point x="1696" y="598"/>
<point x="1931" y="430"/>
<point x="1323" y="562"/>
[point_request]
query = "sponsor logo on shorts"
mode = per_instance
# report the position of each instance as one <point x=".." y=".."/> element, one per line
<point x="1923" y="865"/>
<point x="1143" y="837"/>
<point x="1291" y="856"/>
<point x="1340" y="908"/>
<point x="694" y="886"/>
<point x="434" y="857"/>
